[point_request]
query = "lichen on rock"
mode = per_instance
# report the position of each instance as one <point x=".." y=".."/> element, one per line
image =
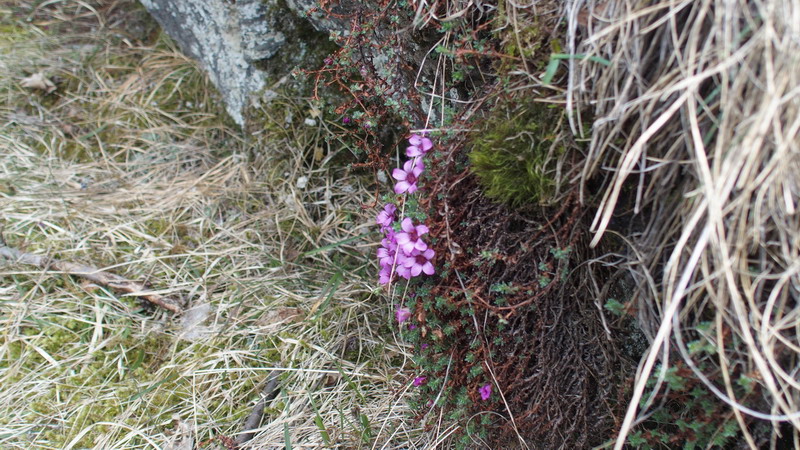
<point x="232" y="40"/>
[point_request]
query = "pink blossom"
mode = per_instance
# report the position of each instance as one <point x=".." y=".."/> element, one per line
<point x="385" y="275"/>
<point x="402" y="314"/>
<point x="388" y="249"/>
<point x="409" y="240"/>
<point x="419" y="146"/>
<point x="407" y="176"/>
<point x="419" y="381"/>
<point x="419" y="263"/>
<point x="401" y="269"/>
<point x="390" y="241"/>
<point x="386" y="257"/>
<point x="386" y="217"/>
<point x="485" y="391"/>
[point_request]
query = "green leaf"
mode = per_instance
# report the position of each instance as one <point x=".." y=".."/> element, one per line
<point x="325" y="248"/>
<point x="555" y="58"/>
<point x="320" y="424"/>
<point x="550" y="71"/>
<point x="287" y="436"/>
<point x="366" y="427"/>
<point x="138" y="361"/>
<point x="615" y="307"/>
<point x="153" y="387"/>
<point x="330" y="288"/>
<point x="636" y="439"/>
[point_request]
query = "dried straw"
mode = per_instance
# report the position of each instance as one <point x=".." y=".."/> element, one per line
<point x="696" y="122"/>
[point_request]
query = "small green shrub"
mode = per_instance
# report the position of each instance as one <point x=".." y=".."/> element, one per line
<point x="514" y="153"/>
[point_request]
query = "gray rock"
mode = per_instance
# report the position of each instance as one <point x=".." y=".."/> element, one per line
<point x="247" y="45"/>
<point x="227" y="38"/>
<point x="260" y="40"/>
<point x="321" y="21"/>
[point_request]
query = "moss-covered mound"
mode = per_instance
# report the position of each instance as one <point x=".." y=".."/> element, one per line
<point x="515" y="153"/>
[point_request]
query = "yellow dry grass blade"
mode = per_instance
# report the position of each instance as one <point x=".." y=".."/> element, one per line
<point x="699" y="115"/>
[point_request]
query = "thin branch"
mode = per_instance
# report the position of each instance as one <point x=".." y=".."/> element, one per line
<point x="92" y="274"/>
<point x="254" y="419"/>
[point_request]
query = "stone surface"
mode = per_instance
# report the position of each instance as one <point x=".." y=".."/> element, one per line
<point x="228" y="38"/>
<point x="248" y="45"/>
<point x="321" y="21"/>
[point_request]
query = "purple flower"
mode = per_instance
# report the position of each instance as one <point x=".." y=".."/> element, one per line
<point x="485" y="391"/>
<point x="421" y="262"/>
<point x="419" y="381"/>
<point x="390" y="241"/>
<point x="346" y="120"/>
<point x="423" y="346"/>
<point x="402" y="314"/>
<point x="407" y="176"/>
<point x="386" y="217"/>
<point x="388" y="248"/>
<point x="419" y="146"/>
<point x="386" y="257"/>
<point x="401" y="269"/>
<point x="389" y="259"/>
<point x="385" y="275"/>
<point x="409" y="239"/>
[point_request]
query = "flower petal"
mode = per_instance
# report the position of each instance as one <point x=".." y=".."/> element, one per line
<point x="402" y="314"/>
<point x="485" y="391"/>
<point x="399" y="174"/>
<point x="426" y="144"/>
<point x="428" y="268"/>
<point x="402" y="186"/>
<point x="408" y="262"/>
<point x="412" y="151"/>
<point x="407" y="225"/>
<point x="404" y="272"/>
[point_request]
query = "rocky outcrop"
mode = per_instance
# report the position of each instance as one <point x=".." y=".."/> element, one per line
<point x="231" y="39"/>
<point x="248" y="45"/>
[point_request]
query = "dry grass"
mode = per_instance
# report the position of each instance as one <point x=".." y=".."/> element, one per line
<point x="129" y="167"/>
<point x="696" y="120"/>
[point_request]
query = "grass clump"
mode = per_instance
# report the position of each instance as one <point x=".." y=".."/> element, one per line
<point x="515" y="153"/>
<point x="715" y="216"/>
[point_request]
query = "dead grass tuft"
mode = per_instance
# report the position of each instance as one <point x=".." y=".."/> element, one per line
<point x="695" y="130"/>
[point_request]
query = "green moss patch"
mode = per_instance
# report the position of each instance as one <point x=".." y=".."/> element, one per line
<point x="514" y="153"/>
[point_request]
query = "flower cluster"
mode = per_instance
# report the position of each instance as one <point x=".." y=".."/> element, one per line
<point x="403" y="252"/>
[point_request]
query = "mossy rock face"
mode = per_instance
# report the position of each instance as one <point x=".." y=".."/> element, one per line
<point x="515" y="153"/>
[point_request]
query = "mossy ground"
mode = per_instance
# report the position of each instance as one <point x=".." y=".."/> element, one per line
<point x="132" y="166"/>
<point x="516" y="152"/>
